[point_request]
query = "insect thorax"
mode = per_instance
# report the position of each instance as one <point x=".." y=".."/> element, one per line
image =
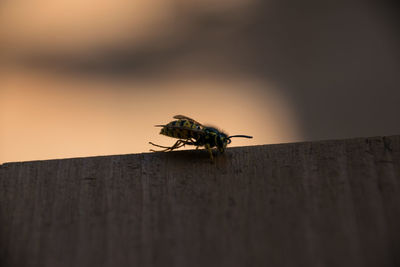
<point x="214" y="138"/>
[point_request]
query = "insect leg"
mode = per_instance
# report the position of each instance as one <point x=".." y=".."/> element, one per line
<point x="167" y="148"/>
<point x="158" y="145"/>
<point x="209" y="151"/>
<point x="181" y="143"/>
<point x="178" y="144"/>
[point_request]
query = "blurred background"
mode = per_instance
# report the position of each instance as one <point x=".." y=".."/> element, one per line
<point x="86" y="78"/>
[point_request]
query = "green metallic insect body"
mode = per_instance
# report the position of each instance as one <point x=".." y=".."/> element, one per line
<point x="191" y="132"/>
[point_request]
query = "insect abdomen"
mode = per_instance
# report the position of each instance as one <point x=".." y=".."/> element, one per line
<point x="181" y="129"/>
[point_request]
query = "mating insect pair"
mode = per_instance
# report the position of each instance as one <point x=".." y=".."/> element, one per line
<point x="191" y="132"/>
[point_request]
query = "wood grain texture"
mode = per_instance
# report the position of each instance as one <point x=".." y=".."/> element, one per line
<point x="327" y="203"/>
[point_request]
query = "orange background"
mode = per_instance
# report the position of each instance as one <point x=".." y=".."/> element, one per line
<point x="86" y="78"/>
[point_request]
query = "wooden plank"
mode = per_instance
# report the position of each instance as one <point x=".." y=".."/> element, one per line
<point x="327" y="203"/>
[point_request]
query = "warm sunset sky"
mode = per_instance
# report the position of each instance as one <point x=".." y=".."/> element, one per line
<point x="87" y="78"/>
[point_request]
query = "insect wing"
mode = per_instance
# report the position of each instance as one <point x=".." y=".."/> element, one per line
<point x="199" y="131"/>
<point x="182" y="117"/>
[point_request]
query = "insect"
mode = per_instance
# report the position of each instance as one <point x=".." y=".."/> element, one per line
<point x="191" y="132"/>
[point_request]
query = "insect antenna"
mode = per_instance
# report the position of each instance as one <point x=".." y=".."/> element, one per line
<point x="160" y="125"/>
<point x="245" y="136"/>
<point x="240" y="135"/>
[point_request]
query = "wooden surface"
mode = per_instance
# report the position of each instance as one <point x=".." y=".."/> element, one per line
<point x="328" y="203"/>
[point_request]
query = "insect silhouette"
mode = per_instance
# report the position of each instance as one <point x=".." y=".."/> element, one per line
<point x="191" y="132"/>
